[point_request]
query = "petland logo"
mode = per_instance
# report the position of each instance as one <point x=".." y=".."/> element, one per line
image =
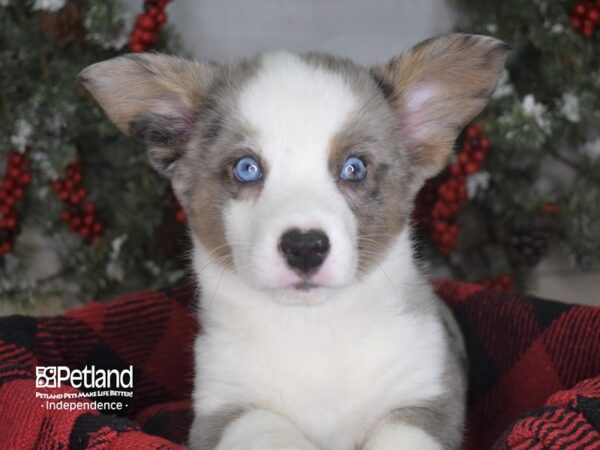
<point x="88" y="377"/>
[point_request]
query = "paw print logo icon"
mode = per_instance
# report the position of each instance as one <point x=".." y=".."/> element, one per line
<point x="46" y="377"/>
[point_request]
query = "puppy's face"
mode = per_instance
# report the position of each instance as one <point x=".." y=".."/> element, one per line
<point x="299" y="171"/>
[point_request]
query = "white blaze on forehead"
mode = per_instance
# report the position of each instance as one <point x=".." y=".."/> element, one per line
<point x="295" y="109"/>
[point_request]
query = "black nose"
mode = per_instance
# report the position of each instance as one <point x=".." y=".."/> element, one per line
<point x="304" y="250"/>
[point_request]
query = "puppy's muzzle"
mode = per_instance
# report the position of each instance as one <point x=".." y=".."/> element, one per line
<point x="304" y="251"/>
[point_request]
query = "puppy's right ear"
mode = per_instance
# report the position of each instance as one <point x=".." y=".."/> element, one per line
<point x="155" y="98"/>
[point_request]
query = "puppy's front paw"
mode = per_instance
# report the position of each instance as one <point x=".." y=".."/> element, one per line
<point x="266" y="443"/>
<point x="402" y="437"/>
<point x="263" y="430"/>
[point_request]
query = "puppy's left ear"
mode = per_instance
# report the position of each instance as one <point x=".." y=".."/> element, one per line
<point x="436" y="89"/>
<point x="155" y="98"/>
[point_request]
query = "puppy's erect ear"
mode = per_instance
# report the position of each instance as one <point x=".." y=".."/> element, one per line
<point x="153" y="97"/>
<point x="437" y="88"/>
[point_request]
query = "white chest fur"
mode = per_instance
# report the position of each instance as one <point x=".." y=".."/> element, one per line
<point x="329" y="368"/>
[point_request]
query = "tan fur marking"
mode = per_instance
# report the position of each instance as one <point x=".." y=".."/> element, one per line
<point x="465" y="67"/>
<point x="131" y="85"/>
<point x="207" y="223"/>
<point x="376" y="202"/>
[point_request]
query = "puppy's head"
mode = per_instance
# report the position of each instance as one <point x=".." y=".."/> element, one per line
<point x="299" y="171"/>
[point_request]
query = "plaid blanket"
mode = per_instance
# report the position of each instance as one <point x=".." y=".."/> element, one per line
<point x="534" y="380"/>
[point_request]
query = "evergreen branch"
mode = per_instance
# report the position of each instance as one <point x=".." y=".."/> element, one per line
<point x="566" y="161"/>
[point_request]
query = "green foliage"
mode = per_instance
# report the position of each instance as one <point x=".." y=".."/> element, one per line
<point x="543" y="125"/>
<point x="42" y="105"/>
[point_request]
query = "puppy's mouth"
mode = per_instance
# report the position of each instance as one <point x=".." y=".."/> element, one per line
<point x="305" y="285"/>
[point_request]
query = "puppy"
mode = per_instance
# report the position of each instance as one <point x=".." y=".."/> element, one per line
<point x="297" y="174"/>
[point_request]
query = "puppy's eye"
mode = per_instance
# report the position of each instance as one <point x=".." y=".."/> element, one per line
<point x="354" y="169"/>
<point x="247" y="170"/>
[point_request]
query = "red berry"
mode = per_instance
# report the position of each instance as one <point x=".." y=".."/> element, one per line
<point x="463" y="158"/>
<point x="148" y="38"/>
<point x="77" y="177"/>
<point x="65" y="215"/>
<point x="145" y="22"/>
<point x="484" y="143"/>
<point x="472" y="132"/>
<point x="161" y="18"/>
<point x="97" y="228"/>
<point x="580" y="9"/>
<point x="575" y="22"/>
<point x="180" y="216"/>
<point x="64" y="195"/>
<point x="25" y="179"/>
<point x="11" y="222"/>
<point x="7" y="185"/>
<point x="587" y="31"/>
<point x="137" y="47"/>
<point x="9" y="201"/>
<point x="82" y="193"/>
<point x="153" y="12"/>
<point x="593" y="14"/>
<point x="439" y="226"/>
<point x="90" y="207"/>
<point x="444" y="211"/>
<point x="18" y="192"/>
<point x="135" y="35"/>
<point x="13" y="173"/>
<point x="88" y="219"/>
<point x="478" y="156"/>
<point x="75" y="222"/>
<point x="471" y="168"/>
<point x="85" y="232"/>
<point x="69" y="184"/>
<point x="15" y="158"/>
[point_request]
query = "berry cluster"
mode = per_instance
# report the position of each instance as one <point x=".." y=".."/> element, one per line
<point x="148" y="25"/>
<point x="585" y="17"/>
<point x="504" y="282"/>
<point x="444" y="200"/>
<point x="79" y="215"/>
<point x="17" y="176"/>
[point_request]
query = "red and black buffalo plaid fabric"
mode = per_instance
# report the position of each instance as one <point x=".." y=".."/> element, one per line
<point x="534" y="376"/>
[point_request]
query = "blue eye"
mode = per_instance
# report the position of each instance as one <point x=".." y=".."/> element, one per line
<point x="354" y="169"/>
<point x="247" y="170"/>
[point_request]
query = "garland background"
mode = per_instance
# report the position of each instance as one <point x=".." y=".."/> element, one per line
<point x="82" y="215"/>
